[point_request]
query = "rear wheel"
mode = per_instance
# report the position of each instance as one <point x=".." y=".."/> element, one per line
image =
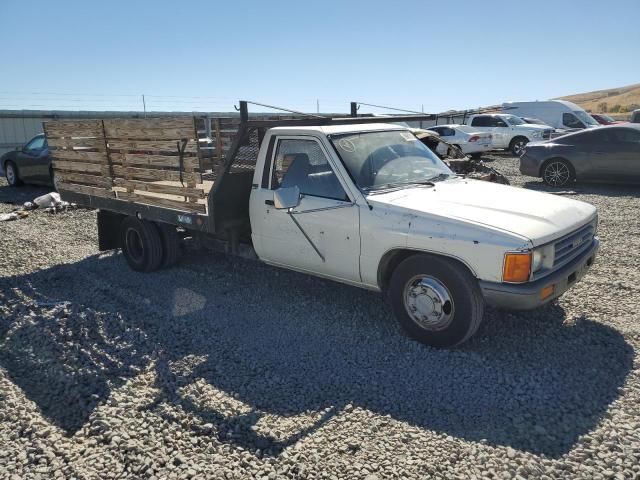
<point x="436" y="300"/>
<point x="557" y="173"/>
<point x="141" y="244"/>
<point x="170" y="245"/>
<point x="517" y="145"/>
<point x="11" y="172"/>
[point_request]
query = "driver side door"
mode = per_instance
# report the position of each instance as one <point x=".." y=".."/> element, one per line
<point x="33" y="160"/>
<point x="323" y="237"/>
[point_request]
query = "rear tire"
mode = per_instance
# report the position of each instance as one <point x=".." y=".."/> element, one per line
<point x="436" y="300"/>
<point x="517" y="145"/>
<point x="11" y="173"/>
<point x="170" y="245"/>
<point x="141" y="244"/>
<point x="557" y="173"/>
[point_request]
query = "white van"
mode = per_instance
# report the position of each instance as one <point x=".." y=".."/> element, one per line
<point x="558" y="114"/>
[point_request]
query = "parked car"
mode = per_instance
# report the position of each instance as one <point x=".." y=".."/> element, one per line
<point x="508" y="131"/>
<point x="558" y="114"/>
<point x="470" y="141"/>
<point x="635" y="116"/>
<point x="604" y="119"/>
<point x="28" y="164"/>
<point x="610" y="153"/>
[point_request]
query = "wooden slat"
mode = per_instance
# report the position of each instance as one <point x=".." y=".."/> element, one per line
<point x="149" y="174"/>
<point x="95" y="191"/>
<point x="159" y="160"/>
<point x="79" y="167"/>
<point x="163" y="202"/>
<point x="80" y="128"/>
<point x="150" y="145"/>
<point x="134" y="123"/>
<point x="74" y="143"/>
<point x="74" y="177"/>
<point x="160" y="188"/>
<point x="79" y="155"/>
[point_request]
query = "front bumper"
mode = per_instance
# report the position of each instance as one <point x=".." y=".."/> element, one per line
<point x="525" y="296"/>
<point x="529" y="166"/>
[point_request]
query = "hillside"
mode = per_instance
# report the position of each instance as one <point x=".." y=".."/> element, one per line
<point x="628" y="98"/>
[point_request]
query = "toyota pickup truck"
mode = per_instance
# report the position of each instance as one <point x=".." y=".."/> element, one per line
<point x="354" y="200"/>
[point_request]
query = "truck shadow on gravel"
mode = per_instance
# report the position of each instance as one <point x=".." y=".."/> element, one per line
<point x="278" y="345"/>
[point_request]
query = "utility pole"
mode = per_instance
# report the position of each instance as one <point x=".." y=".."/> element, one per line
<point x="317" y="105"/>
<point x="144" y="106"/>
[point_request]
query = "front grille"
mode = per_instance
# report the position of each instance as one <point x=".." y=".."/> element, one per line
<point x="570" y="246"/>
<point x="546" y="134"/>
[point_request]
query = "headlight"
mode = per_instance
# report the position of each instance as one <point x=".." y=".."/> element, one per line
<point x="542" y="257"/>
<point x="537" y="134"/>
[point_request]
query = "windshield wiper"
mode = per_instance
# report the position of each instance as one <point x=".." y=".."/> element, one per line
<point x="441" y="176"/>
<point x="388" y="186"/>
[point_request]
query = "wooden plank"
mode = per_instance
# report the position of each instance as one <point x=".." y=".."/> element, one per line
<point x="75" y="143"/>
<point x="78" y="128"/>
<point x="159" y="160"/>
<point x="151" y="145"/>
<point x="79" y="155"/>
<point x="161" y="188"/>
<point x="163" y="202"/>
<point x="80" y="167"/>
<point x="95" y="191"/>
<point x="73" y="177"/>
<point x="136" y="123"/>
<point x="149" y="174"/>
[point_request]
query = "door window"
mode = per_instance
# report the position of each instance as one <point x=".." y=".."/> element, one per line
<point x="302" y="163"/>
<point x="483" y="121"/>
<point x="497" y="122"/>
<point x="447" y="132"/>
<point x="571" y="121"/>
<point x="624" y="135"/>
<point x="35" y="144"/>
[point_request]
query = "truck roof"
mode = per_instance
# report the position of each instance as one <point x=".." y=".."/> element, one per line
<point x="337" y="129"/>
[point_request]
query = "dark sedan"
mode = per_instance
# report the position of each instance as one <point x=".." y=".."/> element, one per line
<point x="28" y="164"/>
<point x="597" y="154"/>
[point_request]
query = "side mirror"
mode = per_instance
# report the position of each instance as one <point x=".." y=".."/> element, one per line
<point x="286" y="198"/>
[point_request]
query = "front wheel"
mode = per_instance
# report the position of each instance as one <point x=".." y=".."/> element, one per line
<point x="436" y="300"/>
<point x="11" y="172"/>
<point x="557" y="173"/>
<point x="517" y="145"/>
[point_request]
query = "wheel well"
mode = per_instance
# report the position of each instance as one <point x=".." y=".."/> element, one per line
<point x="393" y="258"/>
<point x="518" y="137"/>
<point x="546" y="162"/>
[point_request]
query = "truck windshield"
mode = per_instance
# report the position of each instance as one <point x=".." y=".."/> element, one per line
<point x="585" y="117"/>
<point x="513" y="120"/>
<point x="384" y="159"/>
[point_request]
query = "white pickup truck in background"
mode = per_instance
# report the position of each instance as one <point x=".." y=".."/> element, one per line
<point x="369" y="205"/>
<point x="508" y="131"/>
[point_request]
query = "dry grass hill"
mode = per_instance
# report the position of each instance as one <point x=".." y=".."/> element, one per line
<point x="613" y="100"/>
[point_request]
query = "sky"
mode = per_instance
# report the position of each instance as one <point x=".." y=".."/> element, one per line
<point x="205" y="55"/>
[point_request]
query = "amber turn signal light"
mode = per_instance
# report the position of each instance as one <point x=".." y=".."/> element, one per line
<point x="517" y="267"/>
<point x="547" y="291"/>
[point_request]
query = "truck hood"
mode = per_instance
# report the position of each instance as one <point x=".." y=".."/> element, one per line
<point x="538" y="217"/>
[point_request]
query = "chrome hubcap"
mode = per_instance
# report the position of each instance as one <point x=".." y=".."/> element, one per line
<point x="556" y="174"/>
<point x="518" y="147"/>
<point x="428" y="302"/>
<point x="11" y="174"/>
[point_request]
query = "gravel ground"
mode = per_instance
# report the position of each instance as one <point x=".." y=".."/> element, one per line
<point x="226" y="368"/>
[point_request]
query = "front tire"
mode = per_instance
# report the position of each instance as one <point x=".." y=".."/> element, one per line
<point x="11" y="173"/>
<point x="436" y="300"/>
<point x="141" y="244"/>
<point x="517" y="145"/>
<point x="557" y="173"/>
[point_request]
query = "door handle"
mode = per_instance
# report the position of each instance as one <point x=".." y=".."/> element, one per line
<point x="269" y="202"/>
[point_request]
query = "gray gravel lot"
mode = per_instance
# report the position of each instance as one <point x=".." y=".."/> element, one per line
<point x="226" y="368"/>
